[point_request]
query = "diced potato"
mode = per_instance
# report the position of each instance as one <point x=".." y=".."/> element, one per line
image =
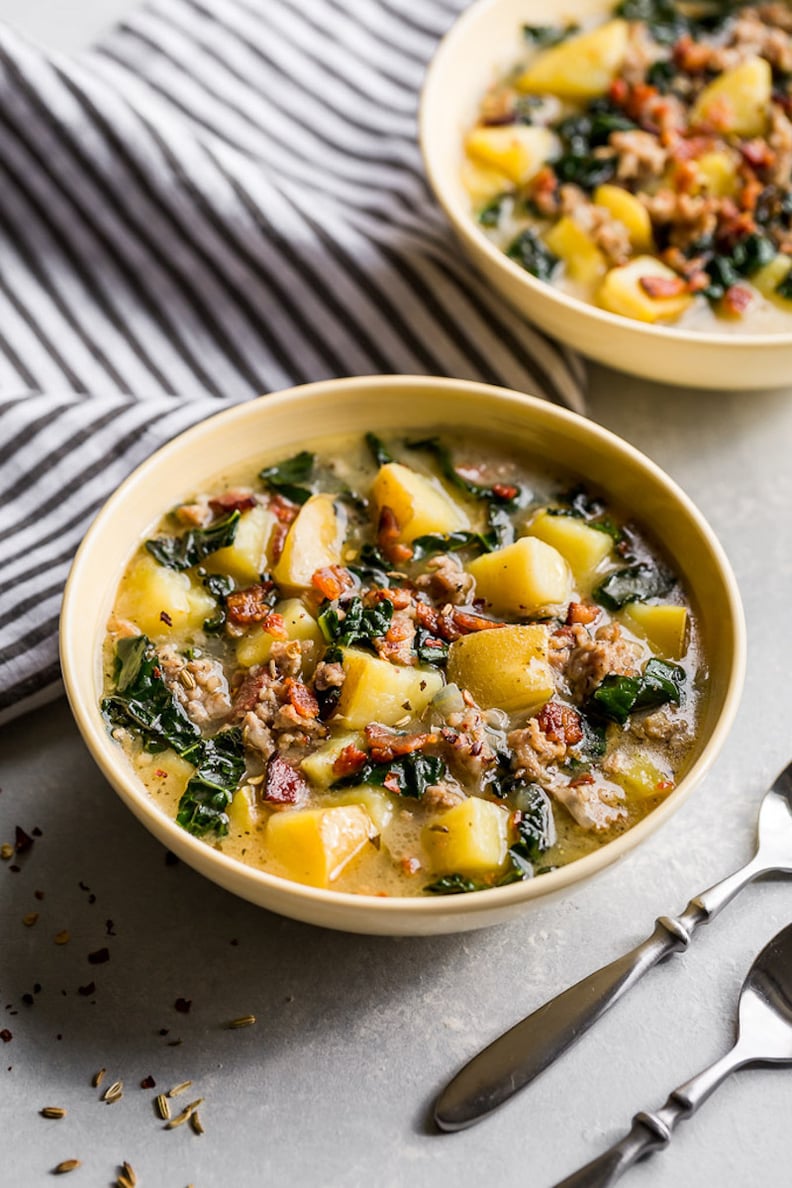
<point x="582" y="258"/>
<point x="420" y="504"/>
<point x="621" y="292"/>
<point x="769" y="277"/>
<point x="318" y="765"/>
<point x="315" y="845"/>
<point x="315" y="541"/>
<point x="629" y="211"/>
<point x="664" y="627"/>
<point x="470" y="839"/>
<point x="716" y="172"/>
<point x="377" y="691"/>
<point x="255" y="646"/>
<point x="517" y="150"/>
<point x="737" y="101"/>
<point x="376" y="801"/>
<point x="523" y="577"/>
<point x="583" y="548"/>
<point x="172" y="772"/>
<point x="582" y="67"/>
<point x="482" y="183"/>
<point x="504" y="666"/>
<point x="242" y="815"/>
<point x="150" y="591"/>
<point x="246" y="559"/>
<point x="639" y="777"/>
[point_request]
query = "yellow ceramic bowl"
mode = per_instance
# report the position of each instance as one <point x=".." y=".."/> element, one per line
<point x="277" y="425"/>
<point x="482" y="45"/>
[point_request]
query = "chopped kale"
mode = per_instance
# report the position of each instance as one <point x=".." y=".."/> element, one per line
<point x="506" y="493"/>
<point x="452" y="542"/>
<point x="354" y="623"/>
<point x="619" y="696"/>
<point x="634" y="583"/>
<point x="429" y="649"/>
<point x="490" y="214"/>
<point x="604" y="523"/>
<point x="501" y="526"/>
<point x="661" y="74"/>
<point x="543" y="36"/>
<point x="751" y="253"/>
<point x="195" y="545"/>
<point x="288" y="477"/>
<point x="209" y="792"/>
<point x="409" y="776"/>
<point x="219" y="586"/>
<point x="530" y="253"/>
<point x="372" y="566"/>
<point x="328" y="698"/>
<point x="536" y="832"/>
<point x="379" y="451"/>
<point x="784" y="289"/>
<point x="580" y="135"/>
<point x="666" y="23"/>
<point x="453" y="884"/>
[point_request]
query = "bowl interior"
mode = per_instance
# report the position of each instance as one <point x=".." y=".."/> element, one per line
<point x="276" y="425"/>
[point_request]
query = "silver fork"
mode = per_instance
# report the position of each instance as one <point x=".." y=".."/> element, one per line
<point x="520" y="1054"/>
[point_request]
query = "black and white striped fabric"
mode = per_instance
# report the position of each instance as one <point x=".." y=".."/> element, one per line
<point x="223" y="198"/>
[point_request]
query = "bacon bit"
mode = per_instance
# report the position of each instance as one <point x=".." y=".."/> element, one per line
<point x="410" y="865"/>
<point x="396" y="645"/>
<point x="349" y="761"/>
<point x="758" y="154"/>
<point x="427" y="617"/>
<point x="283" y="509"/>
<point x="690" y="148"/>
<point x="331" y="581"/>
<point x="662" y="286"/>
<point x="275" y="625"/>
<point x="751" y="190"/>
<point x="698" y="282"/>
<point x="731" y="228"/>
<point x="581" y="612"/>
<point x="618" y="91"/>
<point x="387" y="745"/>
<point x="388" y="533"/>
<point x="665" y="785"/>
<point x="247" y="695"/>
<point x="585" y="777"/>
<point x="560" y="723"/>
<point x="250" y="605"/>
<point x="566" y="634"/>
<point x="686" y="176"/>
<point x="690" y="56"/>
<point x="736" y="300"/>
<point x="231" y="501"/>
<point x="451" y="623"/>
<point x="278" y="540"/>
<point x="301" y="698"/>
<point x="505" y="491"/>
<point x="391" y="782"/>
<point x="399" y="596"/>
<point x="466" y="623"/>
<point x="283" y="784"/>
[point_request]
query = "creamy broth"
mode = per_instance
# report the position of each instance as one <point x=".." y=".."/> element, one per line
<point x="402" y="671"/>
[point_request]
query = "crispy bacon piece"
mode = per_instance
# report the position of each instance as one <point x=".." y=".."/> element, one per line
<point x="231" y="501"/>
<point x="410" y="864"/>
<point x="387" y="745"/>
<point x="332" y="581"/>
<point x="283" y="784"/>
<point x="690" y="148"/>
<point x="560" y="723"/>
<point x="451" y="622"/>
<point x="283" y="509"/>
<point x="690" y="56"/>
<point x="391" y="782"/>
<point x="301" y="698"/>
<point x="388" y="533"/>
<point x="585" y="777"/>
<point x="737" y="299"/>
<point x="505" y="491"/>
<point x="251" y="604"/>
<point x="246" y="697"/>
<point x="350" y="760"/>
<point x="581" y="612"/>
<point x="662" y="286"/>
<point x="398" y="595"/>
<point x="618" y="91"/>
<point x="757" y="153"/>
<point x="698" y="281"/>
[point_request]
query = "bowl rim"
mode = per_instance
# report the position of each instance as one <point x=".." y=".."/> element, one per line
<point x="466" y="227"/>
<point x="127" y="785"/>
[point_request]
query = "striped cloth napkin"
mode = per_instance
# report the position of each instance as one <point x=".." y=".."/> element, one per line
<point x="222" y="198"/>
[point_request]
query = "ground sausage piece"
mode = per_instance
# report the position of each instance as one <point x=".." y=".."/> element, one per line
<point x="199" y="685"/>
<point x="592" y="658"/>
<point x="447" y="581"/>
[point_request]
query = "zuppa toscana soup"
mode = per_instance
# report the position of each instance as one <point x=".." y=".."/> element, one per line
<point x="642" y="163"/>
<point x="402" y="668"/>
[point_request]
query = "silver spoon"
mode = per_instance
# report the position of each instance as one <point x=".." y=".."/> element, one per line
<point x="764" y="1037"/>
<point x="520" y="1054"/>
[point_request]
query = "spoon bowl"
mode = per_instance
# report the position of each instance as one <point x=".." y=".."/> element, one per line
<point x="766" y="1004"/>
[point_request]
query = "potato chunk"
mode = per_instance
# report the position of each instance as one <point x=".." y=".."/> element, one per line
<point x="315" y="540"/>
<point x="629" y="211"/>
<point x="737" y="101"/>
<point x="583" y="548"/>
<point x="376" y="801"/>
<point x="242" y="814"/>
<point x="315" y="845"/>
<point x="376" y="691"/>
<point x="768" y="278"/>
<point x="582" y="258"/>
<point x="420" y="504"/>
<point x="505" y="667"/>
<point x="517" y="150"/>
<point x="470" y="839"/>
<point x="318" y="765"/>
<point x="522" y="578"/>
<point x="716" y="174"/>
<point x="160" y="601"/>
<point x="665" y="627"/>
<point x="483" y="183"/>
<point x="621" y="292"/>
<point x="246" y="559"/>
<point x="640" y="778"/>
<point x="582" y="67"/>
<point x="256" y="645"/>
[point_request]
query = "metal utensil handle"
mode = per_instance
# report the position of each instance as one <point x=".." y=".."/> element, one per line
<point x="517" y="1057"/>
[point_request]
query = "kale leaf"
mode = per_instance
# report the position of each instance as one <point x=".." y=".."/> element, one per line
<point x="195" y="545"/>
<point x="536" y="832"/>
<point x="358" y="624"/>
<point x="528" y="250"/>
<point x="288" y="477"/>
<point x="219" y="585"/>
<point x="372" y="566"/>
<point x="496" y="492"/>
<point x="408" y="776"/>
<point x="634" y="583"/>
<point x="429" y="649"/>
<point x="784" y="289"/>
<point x="543" y="36"/>
<point x="379" y="451"/>
<point x="209" y="792"/>
<point x="619" y="696"/>
<point x="453" y="884"/>
<point x="452" y="542"/>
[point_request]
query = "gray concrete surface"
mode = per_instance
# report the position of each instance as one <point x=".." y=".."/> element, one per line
<point x="355" y="1035"/>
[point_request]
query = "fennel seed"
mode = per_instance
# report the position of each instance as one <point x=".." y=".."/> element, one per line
<point x="195" y="1123"/>
<point x="185" y="1115"/>
<point x="68" y="1165"/>
<point x="30" y="919"/>
<point x="163" y="1109"/>
<point x="98" y="1077"/>
<point x="177" y="1089"/>
<point x="113" y="1092"/>
<point x="52" y="1112"/>
<point x="63" y="937"/>
<point x="243" y="1021"/>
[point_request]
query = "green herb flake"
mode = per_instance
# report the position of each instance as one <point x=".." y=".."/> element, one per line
<point x="453" y="884"/>
<point x="354" y="623"/>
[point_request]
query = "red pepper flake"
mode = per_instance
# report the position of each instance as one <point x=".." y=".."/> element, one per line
<point x="584" y="778"/>
<point x="6" y="1036"/>
<point x="391" y="782"/>
<point x="410" y="865"/>
<point x="148" y="1082"/>
<point x="505" y="491"/>
<point x="658" y="287"/>
<point x="283" y="509"/>
<point x="87" y="990"/>
<point x="349" y="760"/>
<point x="283" y="783"/>
<point x="183" y="1005"/>
<point x="757" y="153"/>
<point x="160" y="773"/>
<point x="166" y="619"/>
<point x="99" y="956"/>
<point x="665" y="785"/>
<point x="300" y="698"/>
<point x="22" y="841"/>
<point x="618" y="91"/>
